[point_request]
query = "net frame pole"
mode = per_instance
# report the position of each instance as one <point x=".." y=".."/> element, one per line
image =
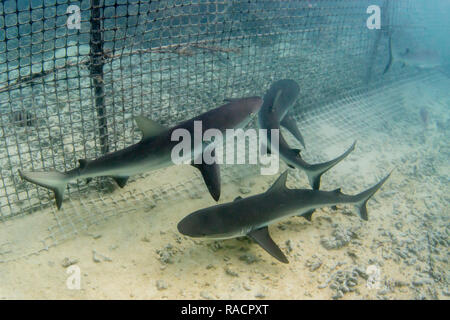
<point x="96" y="71"/>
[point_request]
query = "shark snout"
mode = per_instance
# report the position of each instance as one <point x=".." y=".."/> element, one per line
<point x="188" y="228"/>
<point x="182" y="227"/>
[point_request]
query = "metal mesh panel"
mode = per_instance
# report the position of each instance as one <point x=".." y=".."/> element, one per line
<point x="67" y="94"/>
<point x="72" y="93"/>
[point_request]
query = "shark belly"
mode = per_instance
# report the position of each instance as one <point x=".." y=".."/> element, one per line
<point x="124" y="168"/>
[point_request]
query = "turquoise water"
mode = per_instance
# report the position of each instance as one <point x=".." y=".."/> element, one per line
<point x="171" y="63"/>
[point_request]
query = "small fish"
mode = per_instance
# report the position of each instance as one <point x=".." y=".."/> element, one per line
<point x="251" y="216"/>
<point x="269" y="118"/>
<point x="420" y="58"/>
<point x="152" y="152"/>
<point x="424" y="116"/>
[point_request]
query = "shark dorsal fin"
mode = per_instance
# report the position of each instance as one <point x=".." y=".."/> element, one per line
<point x="230" y="100"/>
<point x="297" y="152"/>
<point x="149" y="127"/>
<point x="337" y="191"/>
<point x="83" y="163"/>
<point x="238" y="198"/>
<point x="280" y="183"/>
<point x="276" y="101"/>
<point x="262" y="237"/>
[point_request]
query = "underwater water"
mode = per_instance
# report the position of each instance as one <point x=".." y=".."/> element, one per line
<point x="135" y="242"/>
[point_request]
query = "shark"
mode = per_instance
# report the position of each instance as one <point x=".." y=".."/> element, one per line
<point x="153" y="151"/>
<point x="420" y="58"/>
<point x="251" y="216"/>
<point x="275" y="106"/>
<point x="290" y="91"/>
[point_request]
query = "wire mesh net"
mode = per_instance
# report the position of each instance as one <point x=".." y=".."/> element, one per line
<point x="71" y="93"/>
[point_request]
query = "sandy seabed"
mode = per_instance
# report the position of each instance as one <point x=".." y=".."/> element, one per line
<point x="141" y="255"/>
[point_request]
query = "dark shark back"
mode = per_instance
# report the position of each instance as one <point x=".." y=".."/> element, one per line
<point x="227" y="116"/>
<point x="289" y="94"/>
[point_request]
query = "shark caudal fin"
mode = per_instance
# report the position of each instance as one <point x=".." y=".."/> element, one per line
<point x="315" y="171"/>
<point x="53" y="180"/>
<point x="362" y="198"/>
<point x="391" y="57"/>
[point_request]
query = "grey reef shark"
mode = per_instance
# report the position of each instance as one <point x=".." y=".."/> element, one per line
<point x="419" y="58"/>
<point x="287" y="91"/>
<point x="251" y="216"/>
<point x="277" y="101"/>
<point x="153" y="151"/>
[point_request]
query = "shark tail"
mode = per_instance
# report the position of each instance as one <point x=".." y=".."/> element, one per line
<point x="363" y="197"/>
<point x="53" y="180"/>
<point x="316" y="171"/>
<point x="391" y="57"/>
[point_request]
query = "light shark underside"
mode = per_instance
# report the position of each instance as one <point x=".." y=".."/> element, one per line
<point x="275" y="106"/>
<point x="153" y="151"/>
<point x="251" y="216"/>
<point x="287" y="91"/>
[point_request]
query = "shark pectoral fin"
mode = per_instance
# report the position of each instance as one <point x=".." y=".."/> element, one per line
<point x="289" y="123"/>
<point x="307" y="215"/>
<point x="211" y="176"/>
<point x="290" y="166"/>
<point x="262" y="237"/>
<point x="121" y="181"/>
<point x="149" y="127"/>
